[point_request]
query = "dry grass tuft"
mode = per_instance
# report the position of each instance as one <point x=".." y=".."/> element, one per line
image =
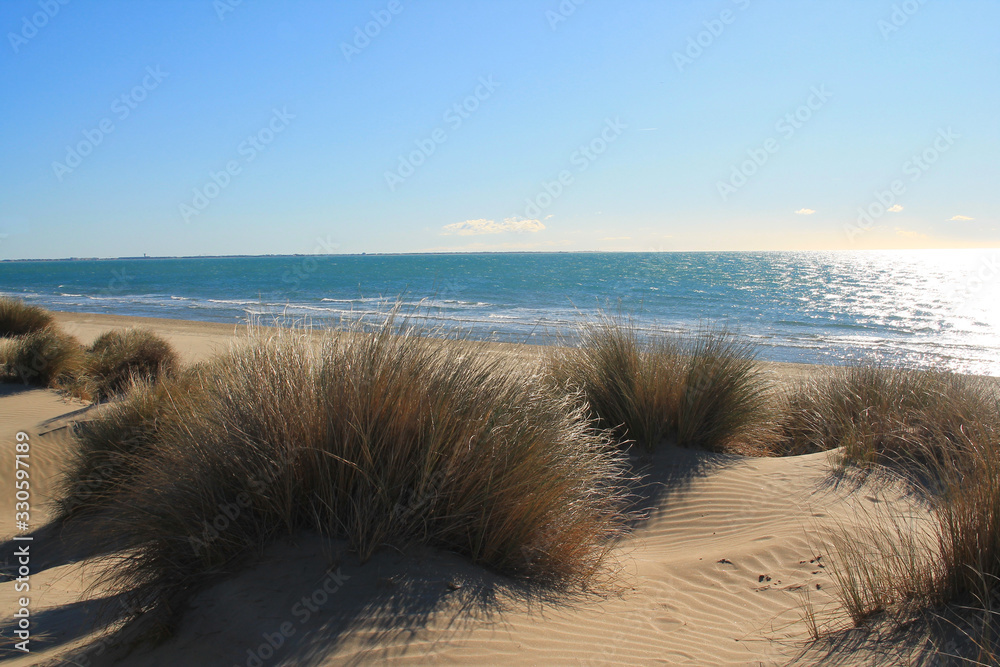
<point x="48" y="358"/>
<point x="881" y="415"/>
<point x="110" y="446"/>
<point x="18" y="318"/>
<point x="706" y="392"/>
<point x="725" y="400"/>
<point x="121" y="356"/>
<point x="943" y="560"/>
<point x="377" y="439"/>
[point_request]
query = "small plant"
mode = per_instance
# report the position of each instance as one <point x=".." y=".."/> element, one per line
<point x="18" y="318"/>
<point x="725" y="396"/>
<point x="47" y="358"/>
<point x="706" y="392"/>
<point x="942" y="560"/>
<point x="878" y="414"/>
<point x="121" y="356"/>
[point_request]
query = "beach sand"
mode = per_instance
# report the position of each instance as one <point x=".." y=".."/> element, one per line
<point x="719" y="573"/>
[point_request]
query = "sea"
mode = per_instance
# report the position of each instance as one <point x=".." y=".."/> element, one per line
<point x="920" y="308"/>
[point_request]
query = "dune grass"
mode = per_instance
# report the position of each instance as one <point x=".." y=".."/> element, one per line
<point x="706" y="391"/>
<point x="882" y="415"/>
<point x="939" y="568"/>
<point x="110" y="446"/>
<point x="940" y="433"/>
<point x="389" y="438"/>
<point x="121" y="356"/>
<point x="35" y="351"/>
<point x="18" y="318"/>
<point x="47" y="358"/>
<point x="378" y="439"/>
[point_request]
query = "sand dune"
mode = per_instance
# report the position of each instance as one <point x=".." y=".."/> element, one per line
<point x="718" y="573"/>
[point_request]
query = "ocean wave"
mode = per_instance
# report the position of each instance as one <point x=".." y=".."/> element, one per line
<point x="235" y="302"/>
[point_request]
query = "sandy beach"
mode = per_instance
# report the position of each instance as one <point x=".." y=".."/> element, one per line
<point x="500" y="333"/>
<point x="721" y="570"/>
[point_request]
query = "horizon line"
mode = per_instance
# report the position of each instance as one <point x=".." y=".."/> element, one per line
<point x="472" y="252"/>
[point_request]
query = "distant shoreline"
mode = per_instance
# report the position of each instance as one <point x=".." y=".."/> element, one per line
<point x="351" y="254"/>
<point x="483" y="252"/>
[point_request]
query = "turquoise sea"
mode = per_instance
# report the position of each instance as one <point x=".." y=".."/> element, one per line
<point x="917" y="308"/>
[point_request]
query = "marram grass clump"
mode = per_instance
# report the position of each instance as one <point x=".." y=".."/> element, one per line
<point x="878" y="415"/>
<point x="110" y="446"/>
<point x="937" y="431"/>
<point x="122" y="356"/>
<point x="376" y="439"/>
<point x="35" y="351"/>
<point x="47" y="357"/>
<point x="938" y="565"/>
<point x="18" y="318"/>
<point x="704" y="391"/>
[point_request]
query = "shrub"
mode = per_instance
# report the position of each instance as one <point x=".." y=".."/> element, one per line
<point x="377" y="439"/>
<point x="18" y="318"/>
<point x="121" y="356"/>
<point x="47" y="358"/>
<point x="706" y="392"/>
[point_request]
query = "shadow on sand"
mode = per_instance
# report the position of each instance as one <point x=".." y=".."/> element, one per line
<point x="671" y="470"/>
<point x="294" y="605"/>
<point x="307" y="595"/>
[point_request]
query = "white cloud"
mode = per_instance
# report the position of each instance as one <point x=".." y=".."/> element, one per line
<point x="895" y="208"/>
<point x="483" y="226"/>
<point x="960" y="217"/>
<point x="805" y="211"/>
<point x="616" y="238"/>
<point x="480" y="246"/>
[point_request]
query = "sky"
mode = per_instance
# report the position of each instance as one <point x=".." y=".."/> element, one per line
<point x="207" y="127"/>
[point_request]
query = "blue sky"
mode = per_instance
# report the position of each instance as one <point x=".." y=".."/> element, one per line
<point x="227" y="127"/>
